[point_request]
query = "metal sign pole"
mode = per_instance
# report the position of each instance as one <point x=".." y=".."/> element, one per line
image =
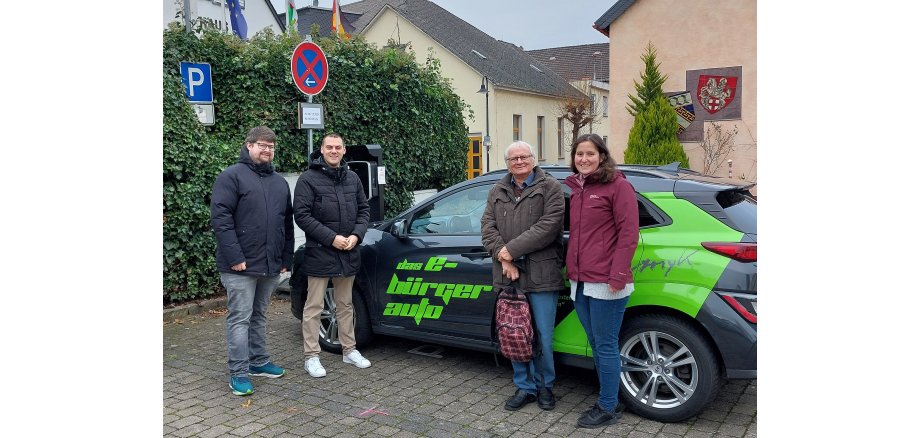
<point x="187" y="15"/>
<point x="310" y="135"/>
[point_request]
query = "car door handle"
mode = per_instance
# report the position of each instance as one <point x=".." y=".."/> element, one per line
<point x="476" y="254"/>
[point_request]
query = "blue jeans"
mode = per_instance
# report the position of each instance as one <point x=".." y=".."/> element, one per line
<point x="247" y="309"/>
<point x="602" y="320"/>
<point x="540" y="372"/>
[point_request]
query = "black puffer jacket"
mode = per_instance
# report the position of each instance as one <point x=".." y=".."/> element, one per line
<point x="329" y="201"/>
<point x="252" y="218"/>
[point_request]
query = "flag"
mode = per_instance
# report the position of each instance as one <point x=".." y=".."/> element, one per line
<point x="236" y="19"/>
<point x="338" y="26"/>
<point x="292" y="16"/>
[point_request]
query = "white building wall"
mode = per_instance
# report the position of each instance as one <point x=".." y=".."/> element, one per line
<point x="257" y="13"/>
<point x="528" y="106"/>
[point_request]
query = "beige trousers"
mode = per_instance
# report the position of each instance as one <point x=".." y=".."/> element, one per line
<point x="344" y="314"/>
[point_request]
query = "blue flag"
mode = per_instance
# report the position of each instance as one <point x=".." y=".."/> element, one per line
<point x="236" y="19"/>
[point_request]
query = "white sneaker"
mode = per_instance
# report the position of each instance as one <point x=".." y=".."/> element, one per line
<point x="315" y="368"/>
<point x="355" y="358"/>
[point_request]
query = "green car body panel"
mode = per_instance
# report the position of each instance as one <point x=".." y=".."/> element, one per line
<point x="670" y="268"/>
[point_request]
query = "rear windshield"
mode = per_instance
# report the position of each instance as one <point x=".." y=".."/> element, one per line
<point x="741" y="209"/>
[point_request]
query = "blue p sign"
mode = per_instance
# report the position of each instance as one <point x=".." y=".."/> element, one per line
<point x="197" y="80"/>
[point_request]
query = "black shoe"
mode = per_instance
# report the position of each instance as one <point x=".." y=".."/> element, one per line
<point x="546" y="400"/>
<point x="598" y="417"/>
<point x="519" y="399"/>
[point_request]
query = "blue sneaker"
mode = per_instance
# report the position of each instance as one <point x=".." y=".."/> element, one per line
<point x="240" y="385"/>
<point x="268" y="370"/>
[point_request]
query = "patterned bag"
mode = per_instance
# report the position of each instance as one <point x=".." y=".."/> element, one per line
<point x="517" y="338"/>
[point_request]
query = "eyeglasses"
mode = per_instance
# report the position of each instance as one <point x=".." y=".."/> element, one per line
<point x="521" y="158"/>
<point x="265" y="146"/>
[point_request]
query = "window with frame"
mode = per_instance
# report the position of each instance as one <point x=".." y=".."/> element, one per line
<point x="516" y="127"/>
<point x="605" y="105"/>
<point x="559" y="130"/>
<point x="458" y="213"/>
<point x="540" y="153"/>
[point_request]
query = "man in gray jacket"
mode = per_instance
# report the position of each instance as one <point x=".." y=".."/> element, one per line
<point x="253" y="220"/>
<point x="522" y="222"/>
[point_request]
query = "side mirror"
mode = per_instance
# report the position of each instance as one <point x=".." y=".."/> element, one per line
<point x="398" y="228"/>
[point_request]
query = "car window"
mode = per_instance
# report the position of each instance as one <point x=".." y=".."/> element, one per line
<point x="741" y="209"/>
<point x="649" y="216"/>
<point x="458" y="213"/>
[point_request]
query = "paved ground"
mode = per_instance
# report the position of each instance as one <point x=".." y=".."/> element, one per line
<point x="401" y="395"/>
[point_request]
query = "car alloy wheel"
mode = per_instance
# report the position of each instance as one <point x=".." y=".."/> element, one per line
<point x="658" y="369"/>
<point x="669" y="371"/>
<point x="329" y="326"/>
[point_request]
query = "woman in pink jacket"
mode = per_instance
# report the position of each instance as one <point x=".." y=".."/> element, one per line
<point x="603" y="236"/>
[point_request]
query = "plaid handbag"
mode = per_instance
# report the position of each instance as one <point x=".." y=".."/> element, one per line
<point x="517" y="337"/>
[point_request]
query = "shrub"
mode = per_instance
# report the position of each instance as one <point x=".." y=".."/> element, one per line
<point x="653" y="137"/>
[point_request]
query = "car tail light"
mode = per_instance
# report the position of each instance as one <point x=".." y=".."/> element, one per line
<point x="743" y="252"/>
<point x="744" y="304"/>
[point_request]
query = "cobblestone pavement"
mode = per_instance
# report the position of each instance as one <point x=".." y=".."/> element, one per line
<point x="401" y="395"/>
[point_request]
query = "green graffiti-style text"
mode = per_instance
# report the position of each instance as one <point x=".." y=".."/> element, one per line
<point x="417" y="286"/>
<point x="416" y="311"/>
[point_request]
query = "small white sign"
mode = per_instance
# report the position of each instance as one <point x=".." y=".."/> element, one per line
<point x="311" y="116"/>
<point x="381" y="174"/>
<point x="205" y="113"/>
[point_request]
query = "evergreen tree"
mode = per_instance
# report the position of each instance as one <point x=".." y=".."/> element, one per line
<point x="653" y="137"/>
<point x="652" y="80"/>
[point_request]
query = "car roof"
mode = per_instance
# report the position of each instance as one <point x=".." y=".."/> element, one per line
<point x="647" y="178"/>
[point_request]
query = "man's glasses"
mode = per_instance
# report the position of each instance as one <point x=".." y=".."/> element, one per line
<point x="520" y="158"/>
<point x="265" y="146"/>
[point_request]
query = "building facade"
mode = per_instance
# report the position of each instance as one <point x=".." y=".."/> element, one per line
<point x="523" y="93"/>
<point x="708" y="50"/>
<point x="587" y="68"/>
<point x="259" y="14"/>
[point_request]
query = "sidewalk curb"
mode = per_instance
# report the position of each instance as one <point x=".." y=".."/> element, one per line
<point x="193" y="308"/>
<point x="184" y="310"/>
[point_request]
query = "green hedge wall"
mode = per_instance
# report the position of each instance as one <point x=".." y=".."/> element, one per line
<point x="374" y="96"/>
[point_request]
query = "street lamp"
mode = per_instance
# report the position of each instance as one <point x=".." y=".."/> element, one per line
<point x="487" y="141"/>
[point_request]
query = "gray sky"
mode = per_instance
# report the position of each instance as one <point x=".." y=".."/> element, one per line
<point x="532" y="24"/>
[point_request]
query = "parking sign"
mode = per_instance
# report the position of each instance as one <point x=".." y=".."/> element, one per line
<point x="196" y="77"/>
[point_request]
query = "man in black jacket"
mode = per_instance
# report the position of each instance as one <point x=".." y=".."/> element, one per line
<point x="253" y="220"/>
<point x="331" y="208"/>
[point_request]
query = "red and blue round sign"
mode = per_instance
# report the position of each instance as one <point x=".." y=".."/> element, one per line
<point x="309" y="68"/>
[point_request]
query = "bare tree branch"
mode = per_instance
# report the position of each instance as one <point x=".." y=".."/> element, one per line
<point x="717" y="145"/>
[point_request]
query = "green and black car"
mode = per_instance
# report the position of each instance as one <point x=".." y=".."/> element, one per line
<point x="691" y="322"/>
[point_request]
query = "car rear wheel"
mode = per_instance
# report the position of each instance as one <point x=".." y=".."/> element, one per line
<point x="669" y="372"/>
<point x="329" y="326"/>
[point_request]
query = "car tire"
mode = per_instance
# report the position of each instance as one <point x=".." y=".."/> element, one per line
<point x="328" y="326"/>
<point x="652" y="388"/>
